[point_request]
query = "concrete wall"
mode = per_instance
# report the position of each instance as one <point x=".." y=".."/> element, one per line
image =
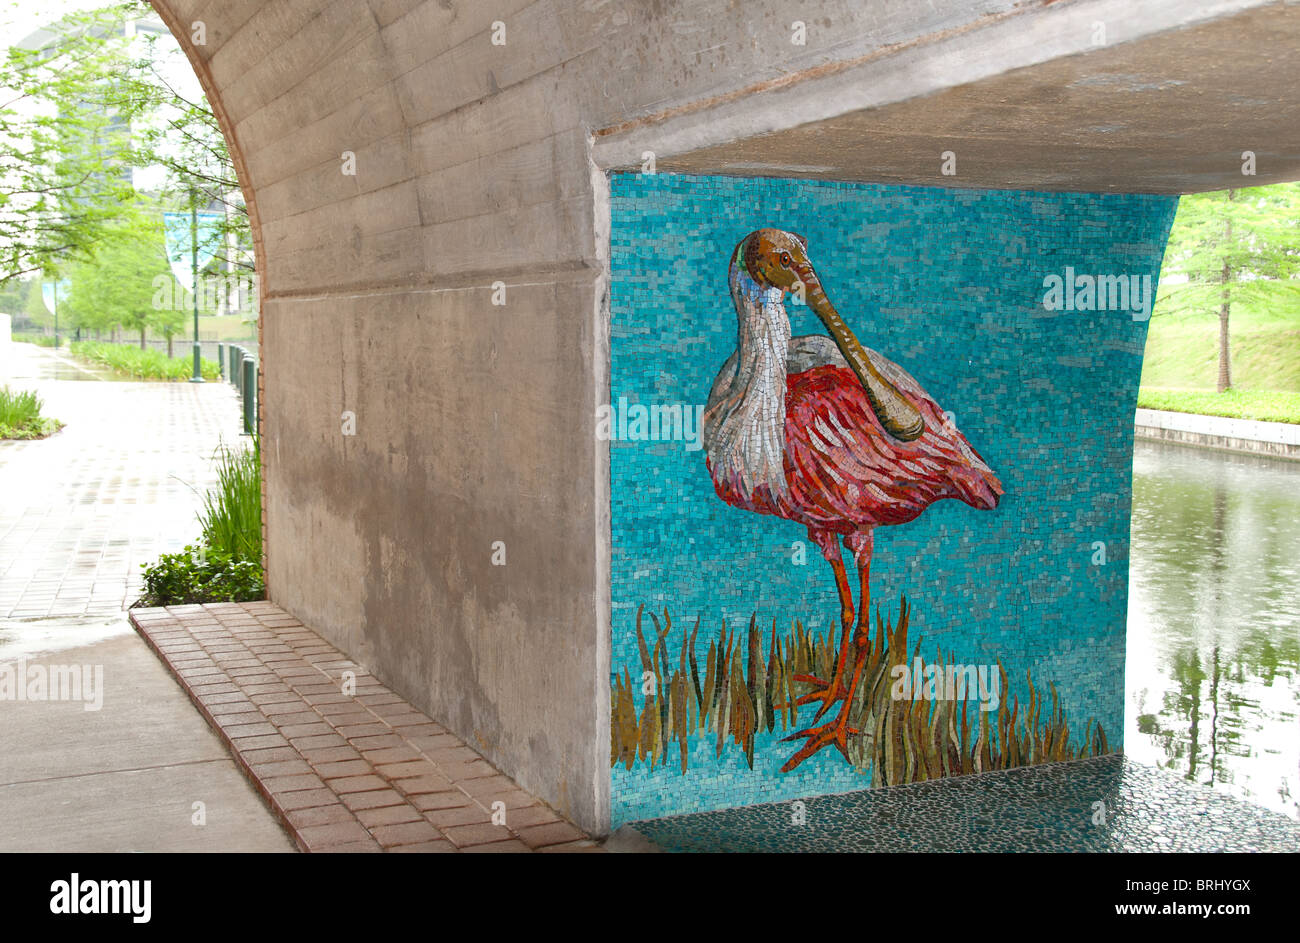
<point x="1277" y="439"/>
<point x="474" y="423"/>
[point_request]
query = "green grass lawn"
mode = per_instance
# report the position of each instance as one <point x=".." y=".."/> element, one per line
<point x="1182" y="350"/>
<point x="1181" y="365"/>
<point x="226" y="328"/>
<point x="229" y="328"/>
<point x="1266" y="405"/>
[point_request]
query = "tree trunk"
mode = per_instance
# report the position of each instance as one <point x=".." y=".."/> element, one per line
<point x="169" y="347"/>
<point x="1225" y="359"/>
<point x="1225" y="354"/>
<point x="142" y="330"/>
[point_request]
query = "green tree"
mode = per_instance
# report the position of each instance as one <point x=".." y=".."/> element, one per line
<point x="35" y="310"/>
<point x="118" y="285"/>
<point x="61" y="153"/>
<point x="181" y="134"/>
<point x="1233" y="246"/>
<point x="77" y="116"/>
<point x="13" y="297"/>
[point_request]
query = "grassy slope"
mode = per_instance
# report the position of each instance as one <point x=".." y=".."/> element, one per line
<point x="1182" y="364"/>
<point x="1183" y="351"/>
<point x="211" y="328"/>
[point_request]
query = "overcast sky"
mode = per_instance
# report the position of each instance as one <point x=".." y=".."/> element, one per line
<point x="21" y="18"/>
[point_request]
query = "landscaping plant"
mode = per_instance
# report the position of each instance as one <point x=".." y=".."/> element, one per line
<point x="201" y="574"/>
<point x="227" y="566"/>
<point x="148" y="364"/>
<point x="20" y="416"/>
<point x="232" y="511"/>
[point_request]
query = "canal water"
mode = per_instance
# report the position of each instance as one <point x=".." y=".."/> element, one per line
<point x="1212" y="679"/>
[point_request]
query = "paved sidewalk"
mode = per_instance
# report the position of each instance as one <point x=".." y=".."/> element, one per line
<point x="125" y="777"/>
<point x="79" y="512"/>
<point x="344" y="762"/>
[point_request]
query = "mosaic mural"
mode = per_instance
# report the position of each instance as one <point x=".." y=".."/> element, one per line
<point x="948" y="392"/>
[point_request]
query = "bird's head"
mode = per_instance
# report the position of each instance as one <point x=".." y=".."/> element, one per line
<point x="774" y="258"/>
<point x="778" y="259"/>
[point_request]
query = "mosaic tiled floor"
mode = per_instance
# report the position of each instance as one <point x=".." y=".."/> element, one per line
<point x="1050" y="808"/>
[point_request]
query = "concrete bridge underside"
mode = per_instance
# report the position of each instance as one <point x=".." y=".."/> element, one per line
<point x="478" y="163"/>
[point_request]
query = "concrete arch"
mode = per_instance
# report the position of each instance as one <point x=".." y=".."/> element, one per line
<point x="479" y="163"/>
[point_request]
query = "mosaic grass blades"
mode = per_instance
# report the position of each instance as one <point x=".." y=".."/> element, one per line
<point x="745" y="687"/>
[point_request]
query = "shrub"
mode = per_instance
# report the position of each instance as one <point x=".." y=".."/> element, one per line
<point x="40" y="340"/>
<point x="201" y="574"/>
<point x="147" y="364"/>
<point x="20" y="416"/>
<point x="227" y="567"/>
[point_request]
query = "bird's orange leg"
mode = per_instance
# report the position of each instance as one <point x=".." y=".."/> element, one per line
<point x="828" y="692"/>
<point x="836" y="732"/>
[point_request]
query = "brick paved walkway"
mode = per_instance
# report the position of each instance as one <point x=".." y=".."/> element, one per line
<point x="84" y="508"/>
<point x="357" y="771"/>
<point x="117" y="487"/>
<point x="79" y="512"/>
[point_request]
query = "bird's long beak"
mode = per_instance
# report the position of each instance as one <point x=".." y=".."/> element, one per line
<point x="899" y="417"/>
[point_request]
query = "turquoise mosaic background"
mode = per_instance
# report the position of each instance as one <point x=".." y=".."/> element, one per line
<point x="949" y="284"/>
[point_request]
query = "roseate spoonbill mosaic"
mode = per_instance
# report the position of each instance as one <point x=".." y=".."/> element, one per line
<point x="830" y="434"/>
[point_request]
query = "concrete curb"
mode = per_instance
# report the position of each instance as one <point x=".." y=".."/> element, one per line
<point x="1273" y="439"/>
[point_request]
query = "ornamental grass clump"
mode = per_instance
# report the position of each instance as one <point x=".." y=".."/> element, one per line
<point x="20" y="416"/>
<point x="227" y="565"/>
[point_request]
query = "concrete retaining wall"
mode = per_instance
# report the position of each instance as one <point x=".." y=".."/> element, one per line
<point x="1278" y="439"/>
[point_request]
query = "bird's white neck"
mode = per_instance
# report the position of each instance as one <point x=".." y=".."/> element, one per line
<point x="745" y="429"/>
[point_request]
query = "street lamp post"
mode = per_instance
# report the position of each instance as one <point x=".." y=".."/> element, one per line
<point x="194" y="267"/>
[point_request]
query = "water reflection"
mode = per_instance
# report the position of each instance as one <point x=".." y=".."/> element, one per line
<point x="1213" y="689"/>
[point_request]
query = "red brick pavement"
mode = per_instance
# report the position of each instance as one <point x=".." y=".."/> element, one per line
<point x="355" y="771"/>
